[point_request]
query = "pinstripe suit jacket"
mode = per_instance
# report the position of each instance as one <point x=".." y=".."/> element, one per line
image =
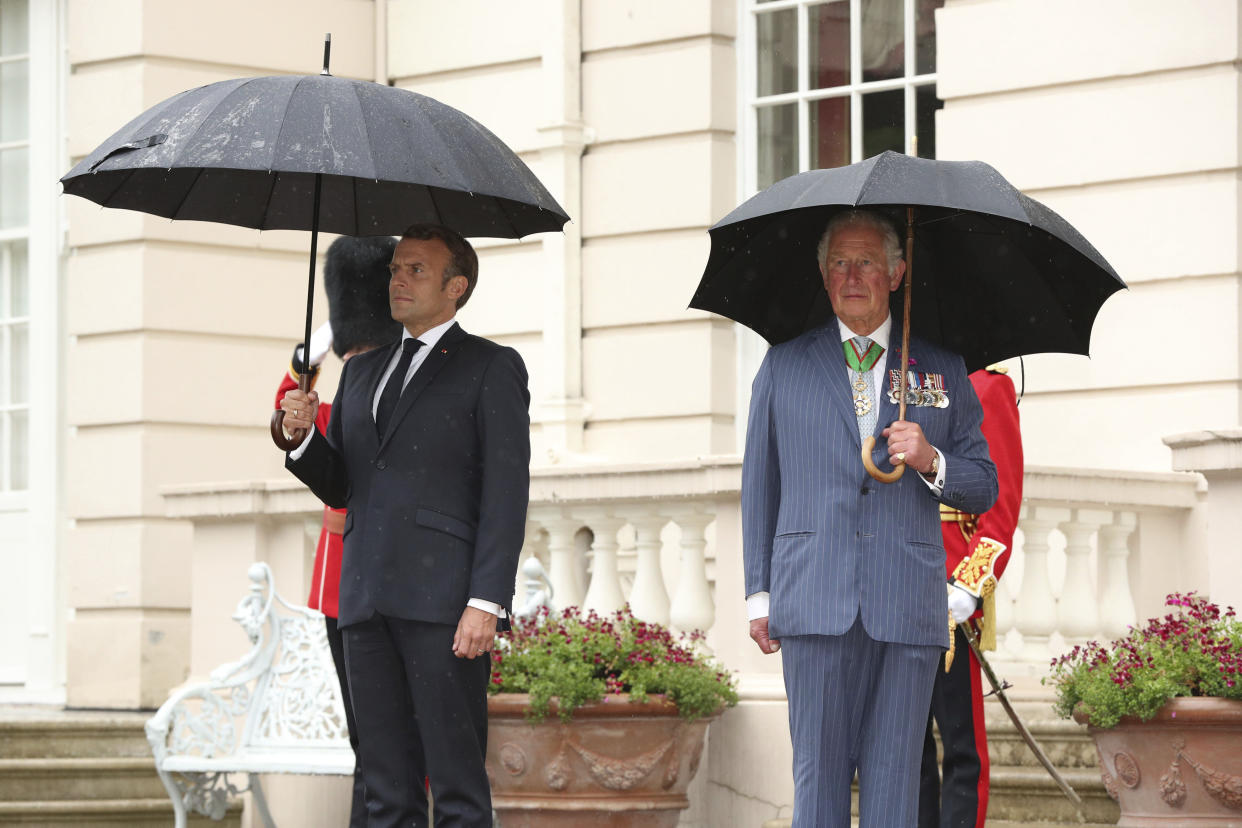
<point x="824" y="539"/>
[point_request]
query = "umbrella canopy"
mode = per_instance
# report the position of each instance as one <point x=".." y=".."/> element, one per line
<point x="314" y="152"/>
<point x="996" y="274"/>
<point x="247" y="152"/>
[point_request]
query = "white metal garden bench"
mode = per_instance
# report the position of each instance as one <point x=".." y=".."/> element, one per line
<point x="277" y="710"/>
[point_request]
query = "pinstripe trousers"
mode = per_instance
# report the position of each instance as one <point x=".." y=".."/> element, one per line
<point x="857" y="704"/>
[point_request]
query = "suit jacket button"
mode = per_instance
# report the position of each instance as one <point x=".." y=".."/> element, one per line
<point x="381" y="465"/>
<point x="865" y="490"/>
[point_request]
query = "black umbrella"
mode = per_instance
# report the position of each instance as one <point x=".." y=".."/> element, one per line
<point x="998" y="274"/>
<point x="315" y="152"/>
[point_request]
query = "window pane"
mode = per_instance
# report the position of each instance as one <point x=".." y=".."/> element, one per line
<point x="14" y="101"/>
<point x="19" y="438"/>
<point x="778" y="143"/>
<point x="777" y="35"/>
<point x="884" y="116"/>
<point x="925" y="104"/>
<point x="925" y="35"/>
<point x="19" y="359"/>
<point x="14" y="32"/>
<point x="828" y="45"/>
<point x="19" y="293"/>
<point x="883" y="39"/>
<point x="830" y="132"/>
<point x="13" y="178"/>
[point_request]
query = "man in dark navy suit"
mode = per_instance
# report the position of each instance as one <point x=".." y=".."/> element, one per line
<point x="429" y="449"/>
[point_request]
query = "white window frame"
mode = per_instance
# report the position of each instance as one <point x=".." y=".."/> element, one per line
<point x="16" y="498"/>
<point x="43" y="679"/>
<point x="750" y="103"/>
<point x="750" y="346"/>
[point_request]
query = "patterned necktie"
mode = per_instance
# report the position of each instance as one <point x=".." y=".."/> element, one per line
<point x="394" y="387"/>
<point x="861" y="355"/>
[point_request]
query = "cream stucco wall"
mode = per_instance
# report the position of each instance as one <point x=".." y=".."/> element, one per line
<point x="1123" y="117"/>
<point x="176" y="333"/>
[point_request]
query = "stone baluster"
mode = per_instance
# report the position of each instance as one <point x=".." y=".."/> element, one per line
<point x="562" y="558"/>
<point x="1035" y="612"/>
<point x="1116" y="601"/>
<point x="604" y="593"/>
<point x="532" y="546"/>
<point x="692" y="607"/>
<point x="649" y="598"/>
<point x="1004" y="608"/>
<point x="1078" y="616"/>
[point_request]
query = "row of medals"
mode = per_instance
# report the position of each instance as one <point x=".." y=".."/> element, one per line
<point x="931" y="397"/>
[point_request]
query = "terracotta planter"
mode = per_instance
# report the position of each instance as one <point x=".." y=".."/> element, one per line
<point x="1183" y="768"/>
<point x="616" y="764"/>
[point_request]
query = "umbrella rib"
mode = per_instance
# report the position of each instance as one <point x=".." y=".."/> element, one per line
<point x="268" y="201"/>
<point x="284" y="119"/>
<point x="431" y="194"/>
<point x="353" y="183"/>
<point x="198" y="173"/>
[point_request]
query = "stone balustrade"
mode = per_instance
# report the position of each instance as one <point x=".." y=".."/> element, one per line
<point x="1095" y="550"/>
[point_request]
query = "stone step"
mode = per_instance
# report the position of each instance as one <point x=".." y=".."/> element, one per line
<point x="107" y="813"/>
<point x="1021" y="794"/>
<point x="27" y="731"/>
<point x="1066" y="744"/>
<point x="79" y="779"/>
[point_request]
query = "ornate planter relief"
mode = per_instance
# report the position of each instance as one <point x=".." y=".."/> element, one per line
<point x="1182" y="768"/>
<point x="616" y="764"/>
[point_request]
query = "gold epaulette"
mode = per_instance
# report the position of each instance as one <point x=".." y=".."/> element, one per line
<point x="997" y="368"/>
<point x="975" y="575"/>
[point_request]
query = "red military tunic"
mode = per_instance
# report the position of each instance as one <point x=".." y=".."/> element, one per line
<point x="963" y="533"/>
<point x="326" y="579"/>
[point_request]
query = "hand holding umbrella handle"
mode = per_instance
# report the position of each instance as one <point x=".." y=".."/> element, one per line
<point x="294" y="438"/>
<point x="872" y="469"/>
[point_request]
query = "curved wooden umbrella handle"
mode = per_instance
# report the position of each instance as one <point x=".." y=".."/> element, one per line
<point x="283" y="442"/>
<point x="297" y="435"/>
<point x="872" y="469"/>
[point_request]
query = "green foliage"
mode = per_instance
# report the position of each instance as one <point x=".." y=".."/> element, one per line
<point x="1194" y="651"/>
<point x="578" y="659"/>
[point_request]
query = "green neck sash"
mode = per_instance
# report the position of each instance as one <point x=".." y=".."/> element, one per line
<point x="861" y="362"/>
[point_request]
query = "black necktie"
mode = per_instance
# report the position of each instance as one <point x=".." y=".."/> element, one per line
<point x="396" y="382"/>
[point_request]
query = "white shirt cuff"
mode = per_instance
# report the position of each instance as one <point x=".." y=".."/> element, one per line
<point x="937" y="485"/>
<point x="488" y="606"/>
<point x="297" y="453"/>
<point x="756" y="606"/>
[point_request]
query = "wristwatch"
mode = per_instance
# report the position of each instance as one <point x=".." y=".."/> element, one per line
<point x="935" y="466"/>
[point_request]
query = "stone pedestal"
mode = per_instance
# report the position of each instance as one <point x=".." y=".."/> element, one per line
<point x="1217" y="455"/>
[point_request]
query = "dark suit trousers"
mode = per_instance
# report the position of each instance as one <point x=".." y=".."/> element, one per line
<point x="358" y="803"/>
<point x="421" y="711"/>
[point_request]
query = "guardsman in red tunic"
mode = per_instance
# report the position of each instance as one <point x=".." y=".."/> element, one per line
<point x="976" y="553"/>
<point x="355" y="277"/>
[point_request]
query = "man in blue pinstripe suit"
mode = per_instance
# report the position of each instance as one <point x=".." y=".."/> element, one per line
<point x="843" y="572"/>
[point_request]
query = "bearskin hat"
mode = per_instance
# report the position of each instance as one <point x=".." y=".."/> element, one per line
<point x="355" y="277"/>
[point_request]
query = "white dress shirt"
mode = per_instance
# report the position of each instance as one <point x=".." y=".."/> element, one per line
<point x="429" y="339"/>
<point x="757" y="603"/>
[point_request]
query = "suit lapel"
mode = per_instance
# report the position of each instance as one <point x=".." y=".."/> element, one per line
<point x="435" y="360"/>
<point x="825" y="347"/>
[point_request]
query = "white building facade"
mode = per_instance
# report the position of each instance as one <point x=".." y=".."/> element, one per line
<point x="139" y="358"/>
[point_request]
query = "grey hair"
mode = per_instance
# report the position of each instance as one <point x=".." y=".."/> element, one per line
<point x="863" y="218"/>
